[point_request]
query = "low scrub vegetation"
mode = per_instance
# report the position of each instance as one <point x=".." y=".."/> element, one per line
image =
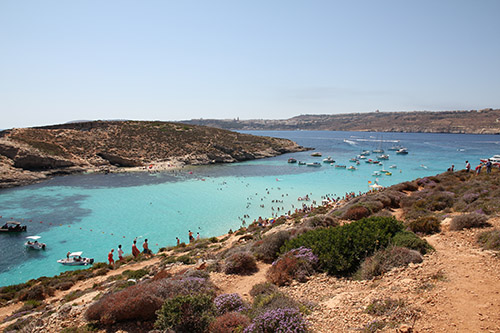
<point x="467" y="221"/>
<point x="341" y="249"/>
<point x="229" y="323"/>
<point x="426" y="225"/>
<point x="242" y="263"/>
<point x="384" y="260"/>
<point x="229" y="303"/>
<point x="490" y="240"/>
<point x="278" y="320"/>
<point x="268" y="249"/>
<point x="264" y="288"/>
<point x="297" y="264"/>
<point x="411" y="241"/>
<point x="141" y="301"/>
<point x="186" y="313"/>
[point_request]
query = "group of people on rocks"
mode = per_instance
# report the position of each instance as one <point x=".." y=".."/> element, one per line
<point x="478" y="168"/>
<point x="135" y="251"/>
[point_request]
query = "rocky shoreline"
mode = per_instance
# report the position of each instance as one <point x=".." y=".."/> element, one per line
<point x="32" y="155"/>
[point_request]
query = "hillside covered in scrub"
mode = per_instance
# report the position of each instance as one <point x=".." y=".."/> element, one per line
<point x="31" y="154"/>
<point x="420" y="256"/>
<point x="472" y="122"/>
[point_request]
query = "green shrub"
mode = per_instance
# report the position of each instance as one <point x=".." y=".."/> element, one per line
<point x="242" y="263"/>
<point x="136" y="275"/>
<point x="341" y="249"/>
<point x="425" y="225"/>
<point x="490" y="240"/>
<point x="268" y="249"/>
<point x="384" y="260"/>
<point x="213" y="240"/>
<point x="466" y="221"/>
<point x="411" y="241"/>
<point x="191" y="313"/>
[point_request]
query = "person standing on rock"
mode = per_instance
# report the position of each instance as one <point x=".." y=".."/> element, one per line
<point x="120" y="252"/>
<point x="467" y="166"/>
<point x="110" y="257"/>
<point x="135" y="250"/>
<point x="488" y="166"/>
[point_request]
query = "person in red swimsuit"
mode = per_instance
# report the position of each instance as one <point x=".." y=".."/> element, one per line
<point x="110" y="257"/>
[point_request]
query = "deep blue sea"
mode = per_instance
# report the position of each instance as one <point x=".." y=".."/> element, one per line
<point x="96" y="212"/>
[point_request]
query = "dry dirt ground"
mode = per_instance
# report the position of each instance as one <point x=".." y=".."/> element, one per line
<point x="455" y="289"/>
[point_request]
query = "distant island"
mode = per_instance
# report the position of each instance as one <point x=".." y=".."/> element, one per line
<point x="28" y="155"/>
<point x="485" y="121"/>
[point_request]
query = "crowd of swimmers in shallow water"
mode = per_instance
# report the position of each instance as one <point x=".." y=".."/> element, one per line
<point x="329" y="199"/>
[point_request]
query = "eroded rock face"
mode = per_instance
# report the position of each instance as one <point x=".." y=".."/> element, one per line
<point x="118" y="160"/>
<point x="8" y="151"/>
<point x="34" y="162"/>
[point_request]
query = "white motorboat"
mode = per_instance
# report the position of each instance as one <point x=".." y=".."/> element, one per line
<point x="402" y="151"/>
<point x="495" y="160"/>
<point x="34" y="244"/>
<point x="328" y="160"/>
<point x="316" y="154"/>
<point x="314" y="164"/>
<point x="76" y="259"/>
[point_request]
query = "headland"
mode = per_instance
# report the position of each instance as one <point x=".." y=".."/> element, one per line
<point x="28" y="155"/>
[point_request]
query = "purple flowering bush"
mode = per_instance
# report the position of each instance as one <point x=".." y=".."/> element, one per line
<point x="229" y="303"/>
<point x="296" y="264"/>
<point x="278" y="320"/>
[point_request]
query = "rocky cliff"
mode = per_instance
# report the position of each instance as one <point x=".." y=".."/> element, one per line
<point x="31" y="154"/>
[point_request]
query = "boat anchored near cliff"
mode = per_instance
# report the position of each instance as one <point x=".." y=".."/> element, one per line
<point x="75" y="259"/>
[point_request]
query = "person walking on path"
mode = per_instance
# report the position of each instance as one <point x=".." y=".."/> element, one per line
<point x="120" y="252"/>
<point x="178" y="241"/>
<point x="135" y="250"/>
<point x="467" y="166"/>
<point x="191" y="238"/>
<point x="488" y="166"/>
<point x="110" y="257"/>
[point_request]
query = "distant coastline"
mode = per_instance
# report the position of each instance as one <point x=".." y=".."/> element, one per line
<point x="485" y="121"/>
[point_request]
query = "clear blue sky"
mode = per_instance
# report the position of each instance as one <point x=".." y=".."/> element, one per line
<point x="172" y="60"/>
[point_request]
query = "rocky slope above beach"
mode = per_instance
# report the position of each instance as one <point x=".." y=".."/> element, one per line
<point x="454" y="287"/>
<point x="31" y="154"/>
<point x="473" y="122"/>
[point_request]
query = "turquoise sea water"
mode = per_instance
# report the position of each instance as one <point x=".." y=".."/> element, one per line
<point x="94" y="213"/>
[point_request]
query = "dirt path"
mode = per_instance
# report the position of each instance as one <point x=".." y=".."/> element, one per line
<point x="469" y="300"/>
<point x="240" y="284"/>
